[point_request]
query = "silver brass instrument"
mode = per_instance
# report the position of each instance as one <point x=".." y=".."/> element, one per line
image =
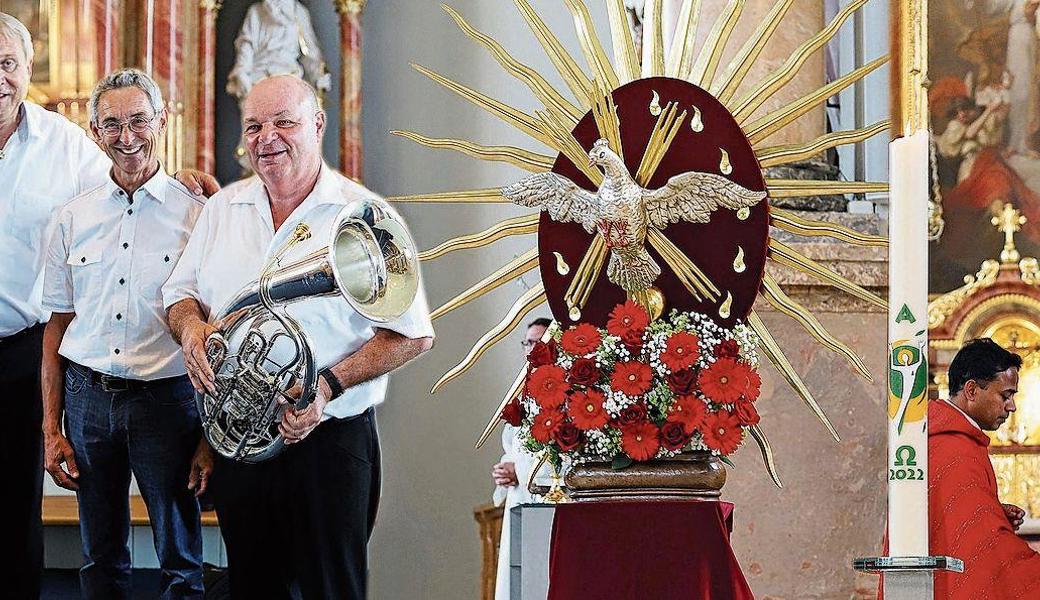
<point x="261" y="352"/>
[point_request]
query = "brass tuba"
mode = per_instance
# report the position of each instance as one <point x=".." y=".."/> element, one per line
<point x="261" y="352"/>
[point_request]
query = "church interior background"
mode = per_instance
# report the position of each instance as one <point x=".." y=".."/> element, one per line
<point x="832" y="505"/>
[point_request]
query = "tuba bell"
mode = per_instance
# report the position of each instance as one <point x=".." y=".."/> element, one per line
<point x="261" y="353"/>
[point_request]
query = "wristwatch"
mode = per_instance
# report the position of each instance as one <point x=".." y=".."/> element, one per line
<point x="333" y="382"/>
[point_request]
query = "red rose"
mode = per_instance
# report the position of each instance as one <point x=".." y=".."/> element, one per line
<point x="627" y="317"/>
<point x="727" y="349"/>
<point x="584" y="372"/>
<point x="680" y="351"/>
<point x="724" y="381"/>
<point x="631" y="378"/>
<point x="754" y="385"/>
<point x="547" y="386"/>
<point x="586" y="409"/>
<point x="689" y="411"/>
<point x="568" y="437"/>
<point x="542" y="354"/>
<point x="513" y="413"/>
<point x="746" y="412"/>
<point x="633" y="340"/>
<point x="674" y="436"/>
<point x="640" y="441"/>
<point x="545" y="424"/>
<point x="722" y="432"/>
<point x="630" y="416"/>
<point x="581" y="339"/>
<point x="682" y="382"/>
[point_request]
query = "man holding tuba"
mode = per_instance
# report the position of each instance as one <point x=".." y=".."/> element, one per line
<point x="110" y="366"/>
<point x="300" y="520"/>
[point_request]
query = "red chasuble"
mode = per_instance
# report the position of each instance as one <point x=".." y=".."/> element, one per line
<point x="966" y="519"/>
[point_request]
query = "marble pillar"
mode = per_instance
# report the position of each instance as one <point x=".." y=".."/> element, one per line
<point x="350" y="151"/>
<point x="206" y="88"/>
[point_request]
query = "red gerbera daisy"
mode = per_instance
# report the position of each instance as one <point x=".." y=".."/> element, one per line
<point x="754" y="385"/>
<point x="640" y="441"/>
<point x="581" y="339"/>
<point x="690" y="411"/>
<point x="680" y="351"/>
<point x="627" y="317"/>
<point x="724" y="381"/>
<point x="547" y="386"/>
<point x="545" y="425"/>
<point x="722" y="432"/>
<point x="586" y="409"/>
<point x="631" y="378"/>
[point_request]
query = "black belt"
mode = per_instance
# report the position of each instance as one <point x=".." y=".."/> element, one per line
<point x="111" y="383"/>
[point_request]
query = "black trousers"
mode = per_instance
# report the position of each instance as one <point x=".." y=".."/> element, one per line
<point x="297" y="526"/>
<point x="21" y="450"/>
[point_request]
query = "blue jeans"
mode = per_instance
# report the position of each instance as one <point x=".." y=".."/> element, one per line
<point x="152" y="433"/>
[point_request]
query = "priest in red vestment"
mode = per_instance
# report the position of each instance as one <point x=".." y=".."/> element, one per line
<point x="966" y="519"/>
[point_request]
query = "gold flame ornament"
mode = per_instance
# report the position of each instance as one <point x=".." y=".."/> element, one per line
<point x="724" y="165"/>
<point x="696" y="124"/>
<point x="655" y="104"/>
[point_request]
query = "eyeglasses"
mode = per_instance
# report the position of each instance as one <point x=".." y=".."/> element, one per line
<point x="136" y="124"/>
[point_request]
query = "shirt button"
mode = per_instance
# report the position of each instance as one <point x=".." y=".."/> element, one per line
<point x="125" y="245"/>
<point x="117" y="350"/>
<point x="83" y="259"/>
<point x="166" y="258"/>
<point x="129" y="211"/>
<point x="121" y="281"/>
<point x="119" y="316"/>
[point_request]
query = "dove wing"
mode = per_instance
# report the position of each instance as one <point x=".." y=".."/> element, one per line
<point x="693" y="196"/>
<point x="558" y="195"/>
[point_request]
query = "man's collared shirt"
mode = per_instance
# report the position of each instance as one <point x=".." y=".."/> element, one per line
<point x="107" y="261"/>
<point x="958" y="409"/>
<point x="47" y="161"/>
<point x="234" y="238"/>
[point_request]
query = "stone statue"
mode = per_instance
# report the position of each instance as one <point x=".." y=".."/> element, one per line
<point x="277" y="38"/>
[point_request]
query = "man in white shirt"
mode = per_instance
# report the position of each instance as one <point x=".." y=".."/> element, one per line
<point x="45" y="160"/>
<point x="298" y="523"/>
<point x="126" y="403"/>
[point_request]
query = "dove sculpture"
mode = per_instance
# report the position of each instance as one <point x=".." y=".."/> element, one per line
<point x="621" y="210"/>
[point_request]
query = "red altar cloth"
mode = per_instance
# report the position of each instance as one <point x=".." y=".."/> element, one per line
<point x="644" y="550"/>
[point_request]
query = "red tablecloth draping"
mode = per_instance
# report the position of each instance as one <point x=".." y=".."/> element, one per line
<point x="644" y="551"/>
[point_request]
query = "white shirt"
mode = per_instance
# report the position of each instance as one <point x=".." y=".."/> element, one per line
<point x="958" y="409"/>
<point x="107" y="261"/>
<point x="48" y="160"/>
<point x="235" y="237"/>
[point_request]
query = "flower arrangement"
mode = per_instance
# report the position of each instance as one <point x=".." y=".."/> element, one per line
<point x="637" y="390"/>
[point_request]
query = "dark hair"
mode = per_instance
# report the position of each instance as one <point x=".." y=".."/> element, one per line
<point x="540" y="321"/>
<point x="980" y="359"/>
<point x="958" y="104"/>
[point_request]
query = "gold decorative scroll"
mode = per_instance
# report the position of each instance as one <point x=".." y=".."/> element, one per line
<point x="776" y="356"/>
<point x="518" y="157"/>
<point x="767" y="453"/>
<point x="525" y="304"/>
<point x="507" y="272"/>
<point x="942" y="307"/>
<point x="506" y="228"/>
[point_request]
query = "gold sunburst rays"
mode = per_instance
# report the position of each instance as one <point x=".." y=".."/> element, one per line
<point x="625" y="59"/>
<point x="591" y="46"/>
<point x="507" y="272"/>
<point x="772" y="156"/>
<point x="692" y="278"/>
<point x="724" y="87"/>
<point x="767" y="453"/>
<point x="747" y="104"/>
<point x="653" y="39"/>
<point x="681" y="55"/>
<point x="707" y="62"/>
<point x="563" y="140"/>
<point x="585" y="277"/>
<point x="525" y="304"/>
<point x="773" y="293"/>
<point x="482" y="195"/>
<point x="787" y="256"/>
<point x="665" y="129"/>
<point x="798" y="188"/>
<point x="788" y="221"/>
<point x="518" y="157"/>
<point x="776" y="356"/>
<point x="604" y="111"/>
<point x="780" y="118"/>
<point x="515" y="226"/>
<point x="575" y="79"/>
<point x="541" y="88"/>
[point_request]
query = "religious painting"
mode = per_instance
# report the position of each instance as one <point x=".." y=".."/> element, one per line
<point x="985" y="115"/>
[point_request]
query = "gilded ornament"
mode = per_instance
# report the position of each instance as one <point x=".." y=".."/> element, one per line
<point x="738" y="262"/>
<point x="724" y="165"/>
<point x="726" y="305"/>
<point x="349" y="7"/>
<point x="943" y="306"/>
<point x="655" y="105"/>
<point x="561" y="265"/>
<point x="574" y="313"/>
<point x="743" y="213"/>
<point x="696" y="124"/>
